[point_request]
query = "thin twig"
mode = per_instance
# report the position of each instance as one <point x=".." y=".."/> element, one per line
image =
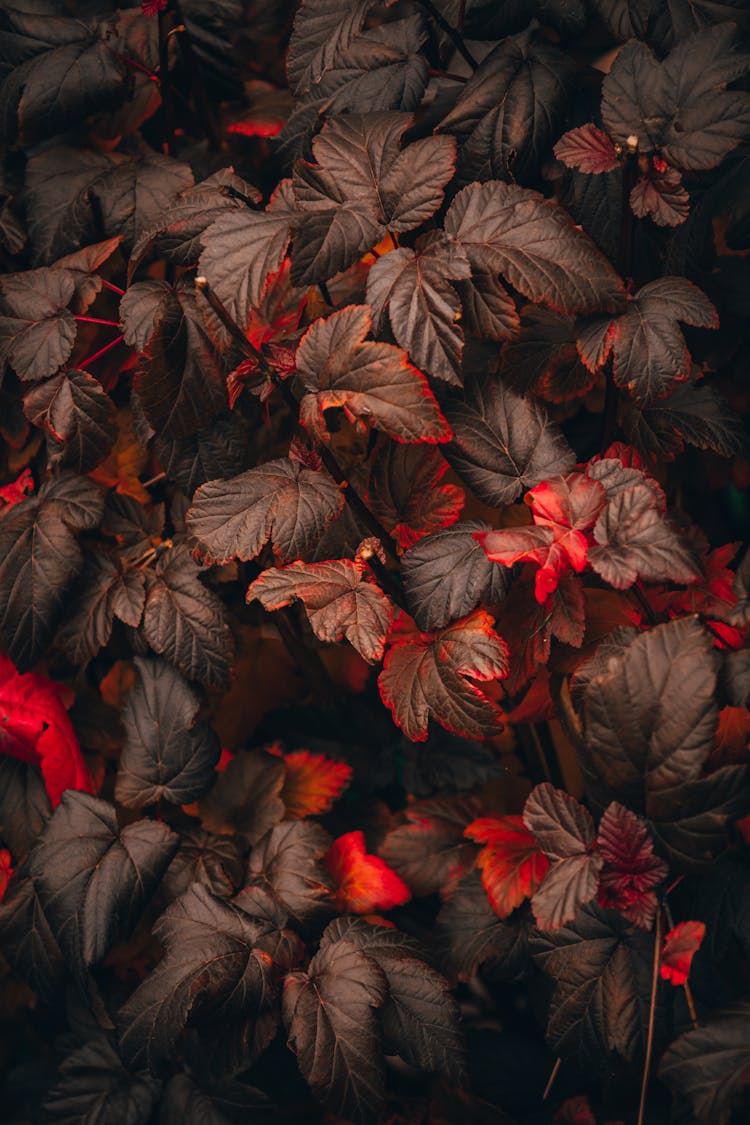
<point x="96" y="320"/>
<point x="643" y="603"/>
<point x="111" y="285"/>
<point x="165" y="18"/>
<point x="551" y="1080"/>
<point x="352" y="497"/>
<point x="686" y="987"/>
<point x="560" y="692"/>
<point x="436" y="73"/>
<point x="453" y="34"/>
<point x="651" y="1018"/>
<point x="154" y="480"/>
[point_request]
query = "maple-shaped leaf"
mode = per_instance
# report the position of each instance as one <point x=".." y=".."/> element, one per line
<point x="588" y="149"/>
<point x="35" y="728"/>
<point x="564" y="508"/>
<point x="186" y="622"/>
<point x="242" y="248"/>
<point x="564" y="830"/>
<point x="420" y="1017"/>
<point x="414" y="288"/>
<point x="694" y="414"/>
<point x="280" y="500"/>
<point x="430" y="851"/>
<point x="503" y="443"/>
<point x="288" y="863"/>
<point x="103" y="591"/>
<point x="94" y="880"/>
<point x="634" y="539"/>
<point x="404" y="491"/>
<point x="660" y="195"/>
<point x="533" y="243"/>
<point x="601" y="969"/>
<point x="322" y="28"/>
<point x="631" y="871"/>
<point x="543" y="359"/>
<point x="176" y="235"/>
<point x="37" y="329"/>
<point x="216" y="862"/>
<point x="180" y="380"/>
<point x="167" y="755"/>
<point x="330" y="1013"/>
<point x="649" y="351"/>
<point x="678" y="949"/>
<point x="341" y="598"/>
<point x="707" y="1068"/>
<point x="29" y="944"/>
<point x="447" y="574"/>
<point x="432" y="675"/>
<point x="92" y="1081"/>
<point x="77" y="417"/>
<point x="692" y="120"/>
<point x="246" y="798"/>
<point x="650" y="719"/>
<point x="511" y="862"/>
<point x="507" y="113"/>
<point x="361" y="184"/>
<point x="371" y="381"/>
<point x="364" y="883"/>
<point x="470" y="934"/>
<point x="313" y="783"/>
<point x="211" y="965"/>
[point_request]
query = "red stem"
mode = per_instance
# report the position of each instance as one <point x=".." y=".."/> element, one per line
<point x="115" y="288"/>
<point x="97" y="320"/>
<point x="102" y="351"/>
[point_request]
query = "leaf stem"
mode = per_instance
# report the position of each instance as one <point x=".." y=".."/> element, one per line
<point x="640" y="597"/>
<point x="437" y="73"/>
<point x="651" y="1018"/>
<point x="352" y="497"/>
<point x="154" y="480"/>
<point x="114" y="288"/>
<point x="551" y="1080"/>
<point x="453" y="33"/>
<point x="84" y="363"/>
<point x="96" y="320"/>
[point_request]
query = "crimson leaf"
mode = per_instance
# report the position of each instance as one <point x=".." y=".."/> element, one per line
<point x="601" y="967"/>
<point x="650" y="720"/>
<point x="371" y="381"/>
<point x="680" y="107"/>
<point x="211" y="968"/>
<point x="432" y="675"/>
<point x="413" y="286"/>
<point x="330" y="1016"/>
<point x="533" y="243"/>
<point x="280" y="501"/>
<point x="93" y="880"/>
<point x="167" y="755"/>
<point x="649" y="351"/>
<point x="447" y="574"/>
<point x="419" y="1016"/>
<point x="340" y="601"/>
<point x="502" y="443"/>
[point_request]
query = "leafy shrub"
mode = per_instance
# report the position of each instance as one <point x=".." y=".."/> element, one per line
<point x="373" y="711"/>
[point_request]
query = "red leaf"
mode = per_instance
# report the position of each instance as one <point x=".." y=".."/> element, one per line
<point x="563" y="509"/>
<point x="661" y="195"/>
<point x="364" y="883"/>
<point x="631" y="870"/>
<point x="680" y="946"/>
<point x="313" y="782"/>
<point x="371" y="381"/>
<point x="429" y="675"/>
<point x="34" y="727"/>
<point x="340" y="598"/>
<point x="405" y="493"/>
<point x="17" y="490"/>
<point x="5" y="871"/>
<point x="153" y="7"/>
<point x="511" y="862"/>
<point x="588" y="149"/>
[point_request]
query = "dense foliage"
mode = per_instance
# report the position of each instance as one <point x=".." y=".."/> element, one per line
<point x="374" y="616"/>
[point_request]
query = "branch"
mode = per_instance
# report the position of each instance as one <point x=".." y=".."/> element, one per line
<point x="651" y="1018"/>
<point x="453" y="34"/>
